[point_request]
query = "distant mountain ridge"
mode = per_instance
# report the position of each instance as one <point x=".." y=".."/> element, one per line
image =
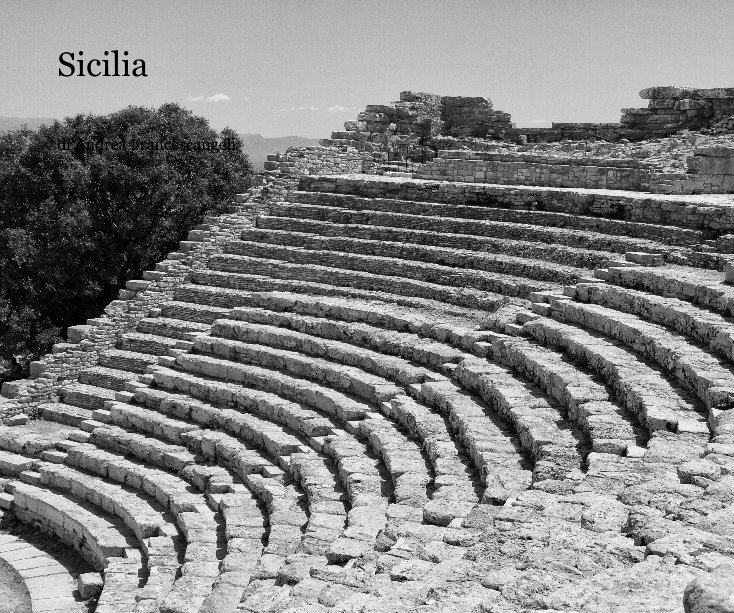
<point x="259" y="147"/>
<point x="13" y="123"/>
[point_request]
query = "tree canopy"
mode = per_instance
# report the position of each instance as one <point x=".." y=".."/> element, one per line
<point x="90" y="202"/>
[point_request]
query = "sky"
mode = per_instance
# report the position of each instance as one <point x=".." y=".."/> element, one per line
<point x="303" y="67"/>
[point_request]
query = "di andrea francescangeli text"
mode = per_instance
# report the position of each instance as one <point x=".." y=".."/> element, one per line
<point x="162" y="143"/>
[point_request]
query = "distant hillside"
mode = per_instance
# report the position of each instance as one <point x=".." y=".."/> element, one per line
<point x="13" y="123"/>
<point x="258" y="147"/>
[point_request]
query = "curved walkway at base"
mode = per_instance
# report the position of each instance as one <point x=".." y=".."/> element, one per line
<point x="50" y="584"/>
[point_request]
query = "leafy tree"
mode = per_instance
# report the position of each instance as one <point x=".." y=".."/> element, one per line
<point x="79" y="217"/>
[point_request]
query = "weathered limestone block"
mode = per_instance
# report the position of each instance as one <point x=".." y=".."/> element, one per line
<point x="711" y="593"/>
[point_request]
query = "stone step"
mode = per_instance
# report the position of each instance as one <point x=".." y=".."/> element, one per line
<point x="98" y="537"/>
<point x="263" y="256"/>
<point x="276" y="275"/>
<point x="199" y="292"/>
<point x="107" y="378"/>
<point x="171" y="328"/>
<point x="550" y="216"/>
<point x="585" y="239"/>
<point x="64" y="413"/>
<point x="448" y="328"/>
<point x="85" y="396"/>
<point x="703" y="326"/>
<point x="106" y="455"/>
<point x="405" y="345"/>
<point x="306" y="339"/>
<point x="219" y="357"/>
<point x="130" y="361"/>
<point x="208" y="414"/>
<point x="187" y="311"/>
<point x="704" y="288"/>
<point x="661" y="407"/>
<point x="142" y="515"/>
<point x="152" y="344"/>
<point x="610" y="428"/>
<point x="50" y="588"/>
<point x="423" y="425"/>
<point x="697" y="370"/>
<point x="284" y="535"/>
<point x="544" y="432"/>
<point x="261" y="433"/>
<point x="22" y="440"/>
<point x="562" y="254"/>
<point x="268" y="243"/>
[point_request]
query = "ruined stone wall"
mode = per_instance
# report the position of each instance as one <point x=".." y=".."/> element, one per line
<point x="297" y="161"/>
<point x="676" y="108"/>
<point x="472" y="116"/>
<point x="524" y="169"/>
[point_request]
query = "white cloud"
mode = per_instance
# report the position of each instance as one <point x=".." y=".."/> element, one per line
<point x="537" y="121"/>
<point x="338" y="108"/>
<point x="219" y="98"/>
<point x="195" y="98"/>
<point x="299" y="108"/>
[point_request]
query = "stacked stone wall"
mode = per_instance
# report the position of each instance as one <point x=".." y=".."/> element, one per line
<point x="508" y="169"/>
<point x="297" y="161"/>
<point x="676" y="108"/>
<point x="465" y="116"/>
<point x="710" y="171"/>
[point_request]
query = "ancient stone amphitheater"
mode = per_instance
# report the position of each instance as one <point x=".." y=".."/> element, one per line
<point x="499" y="380"/>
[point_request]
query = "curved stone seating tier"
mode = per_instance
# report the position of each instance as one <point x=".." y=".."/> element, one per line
<point x="51" y="584"/>
<point x="203" y="290"/>
<point x="147" y="343"/>
<point x="143" y="516"/>
<point x="472" y="423"/>
<point x="563" y="254"/>
<point x="705" y="327"/>
<point x="704" y="288"/>
<point x="310" y="342"/>
<point x="257" y="242"/>
<point x="187" y="311"/>
<point x="702" y="373"/>
<point x="433" y="274"/>
<point x="518" y="214"/>
<point x="103" y="541"/>
<point x="609" y="427"/>
<point x="108" y="378"/>
<point x="316" y="476"/>
<point x="130" y="361"/>
<point x="171" y="328"/>
<point x="63" y="413"/>
<point x="416" y="419"/>
<point x="352" y="413"/>
<point x="85" y="396"/>
<point x="420" y="422"/>
<point x="206" y="568"/>
<point x="660" y="406"/>
<point x="543" y="431"/>
<point x="458" y="329"/>
<point x="588" y="239"/>
<point x="284" y="276"/>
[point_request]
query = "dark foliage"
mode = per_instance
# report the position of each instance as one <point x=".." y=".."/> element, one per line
<point x="76" y="224"/>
